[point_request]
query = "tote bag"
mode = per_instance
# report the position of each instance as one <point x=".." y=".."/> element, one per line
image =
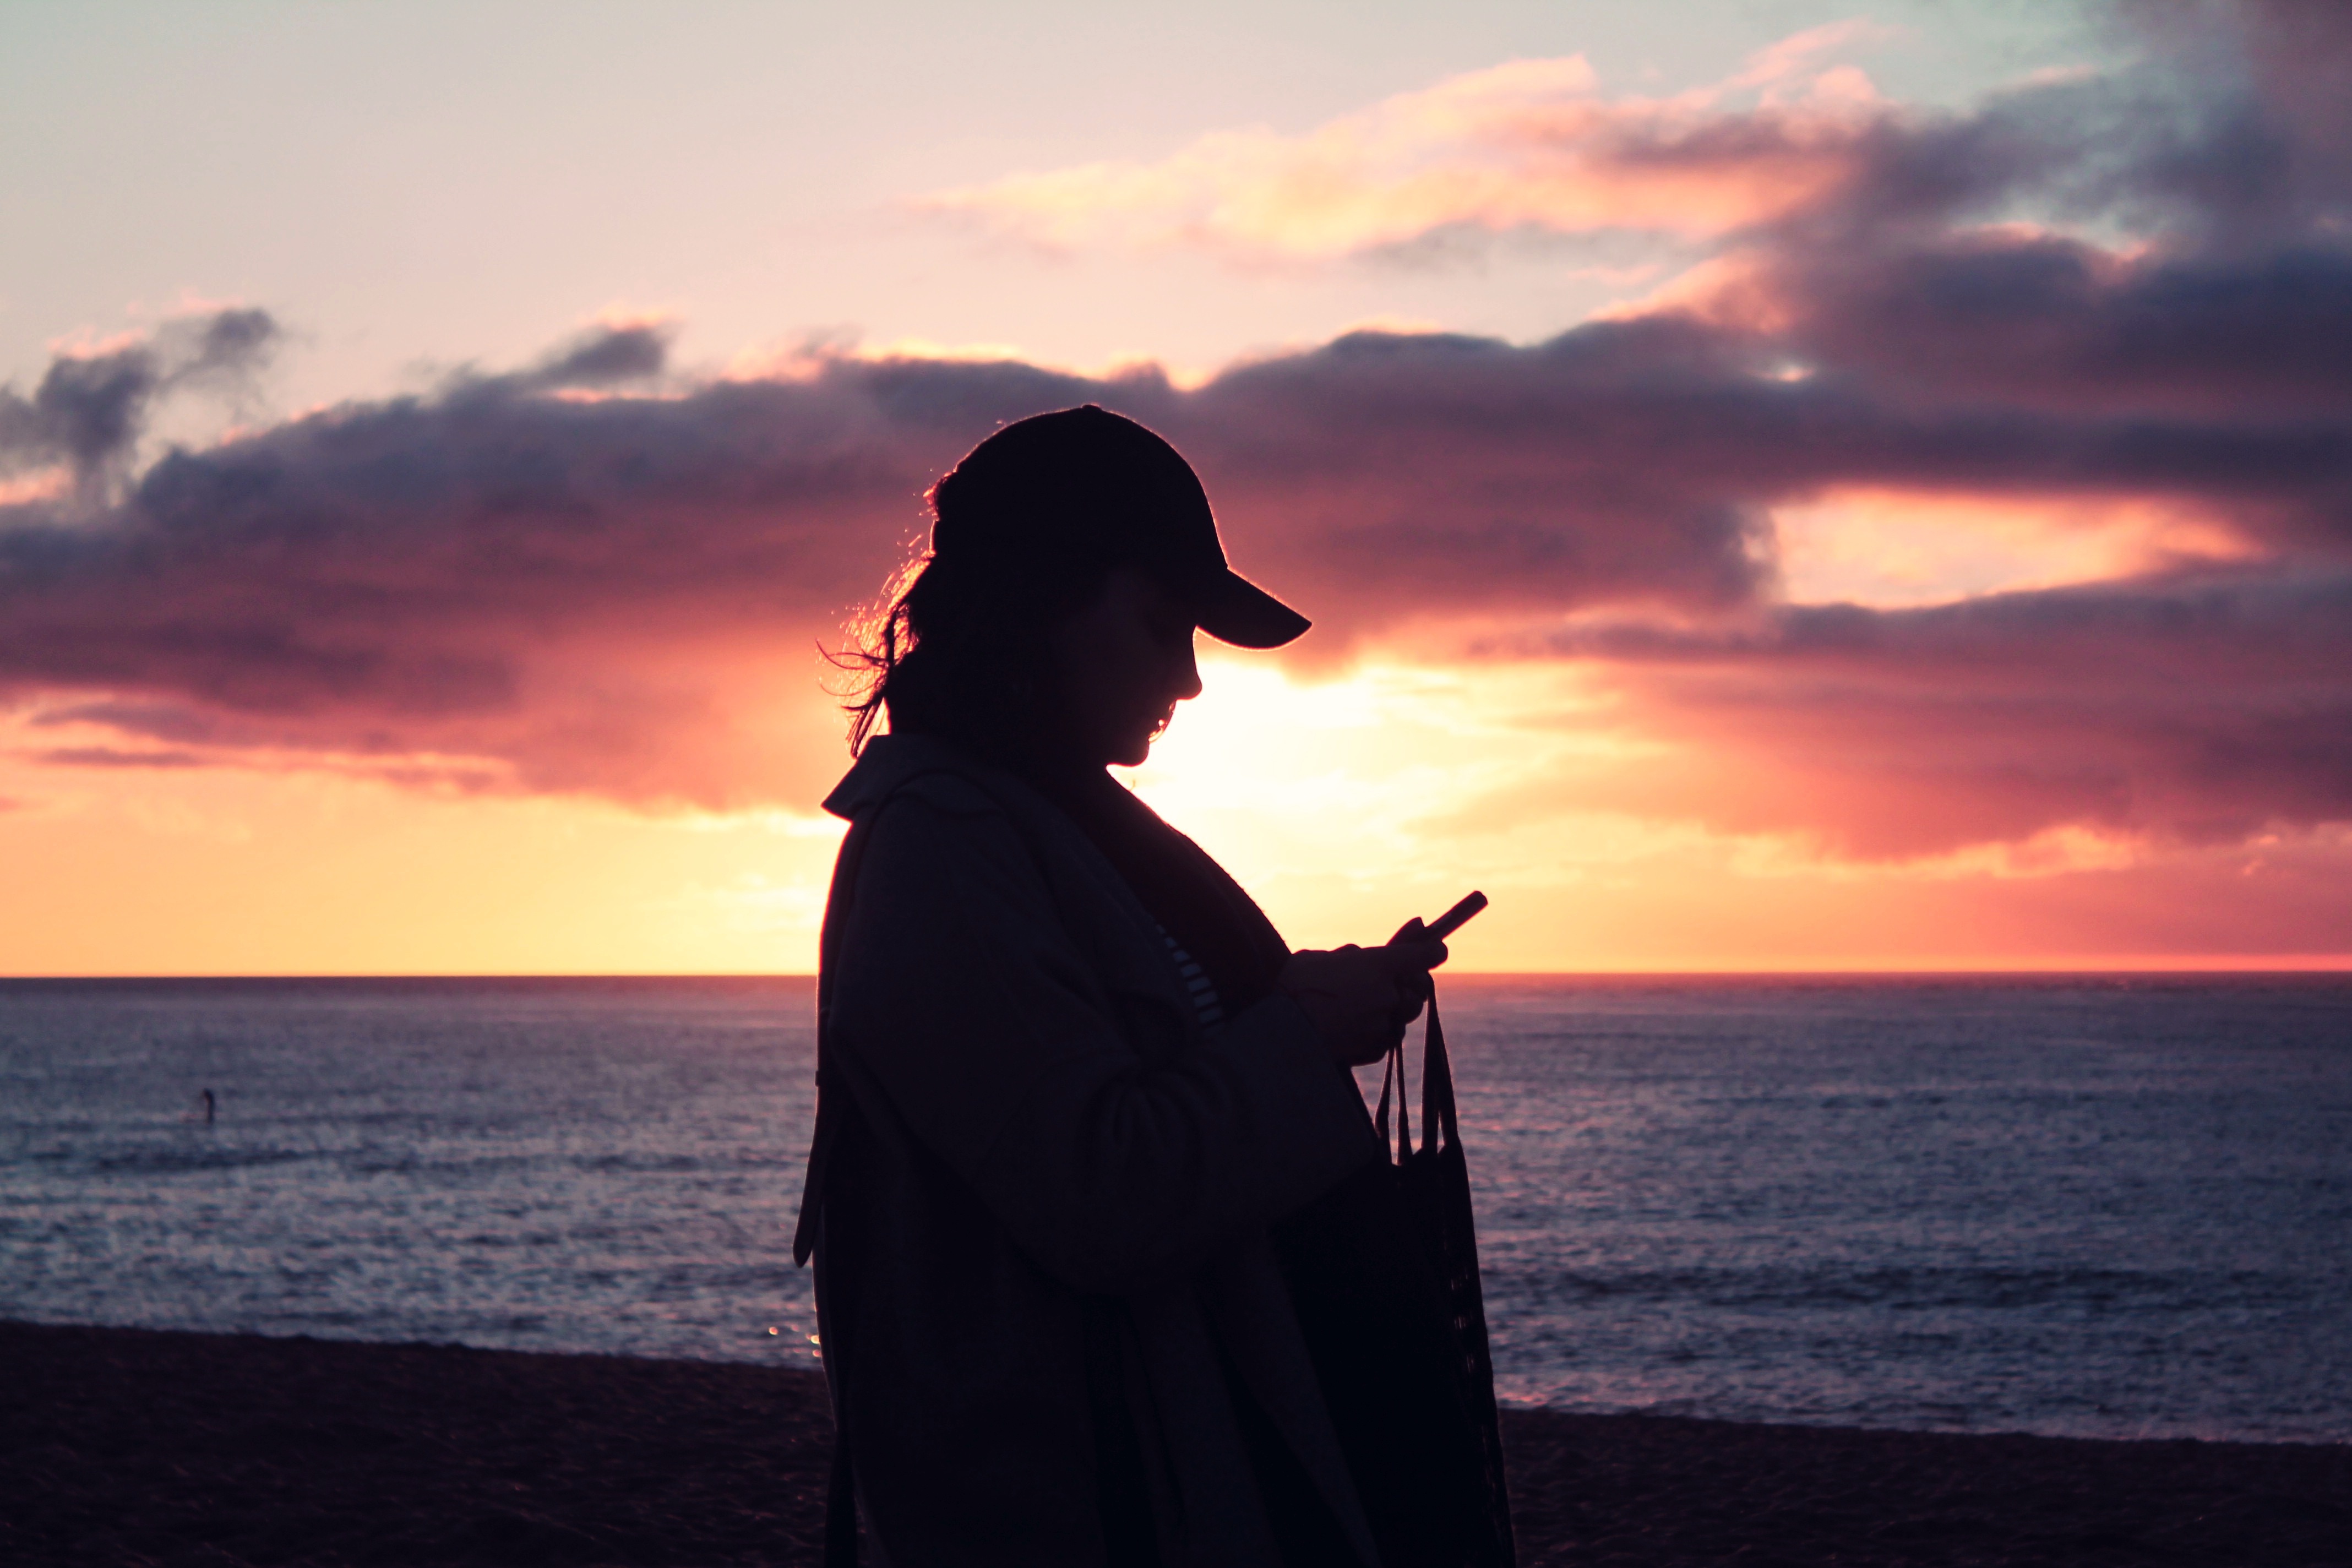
<point x="1383" y="1272"/>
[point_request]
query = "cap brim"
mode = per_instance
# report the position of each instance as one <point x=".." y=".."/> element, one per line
<point x="1235" y="610"/>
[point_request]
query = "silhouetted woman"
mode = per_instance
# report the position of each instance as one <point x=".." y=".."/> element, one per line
<point x="1069" y="1073"/>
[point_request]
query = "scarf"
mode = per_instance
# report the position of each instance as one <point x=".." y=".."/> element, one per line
<point x="1208" y="914"/>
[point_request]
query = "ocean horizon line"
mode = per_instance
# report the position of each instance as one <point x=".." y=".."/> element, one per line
<point x="2270" y="966"/>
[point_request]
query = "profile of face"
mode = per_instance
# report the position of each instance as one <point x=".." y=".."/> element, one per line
<point x="1124" y="660"/>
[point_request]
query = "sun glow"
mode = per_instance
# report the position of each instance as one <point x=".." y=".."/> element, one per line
<point x="1349" y="805"/>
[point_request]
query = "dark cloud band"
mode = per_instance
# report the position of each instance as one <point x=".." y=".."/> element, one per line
<point x="504" y="585"/>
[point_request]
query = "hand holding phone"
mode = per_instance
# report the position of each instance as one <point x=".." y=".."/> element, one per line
<point x="1457" y="917"/>
<point x="1360" y="999"/>
<point x="1416" y="930"/>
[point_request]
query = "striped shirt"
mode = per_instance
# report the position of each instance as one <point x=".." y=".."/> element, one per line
<point x="1197" y="983"/>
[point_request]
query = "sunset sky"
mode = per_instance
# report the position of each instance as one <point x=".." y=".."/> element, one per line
<point x="1778" y="485"/>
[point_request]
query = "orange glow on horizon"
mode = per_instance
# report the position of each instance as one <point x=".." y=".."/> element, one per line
<point x="1344" y="807"/>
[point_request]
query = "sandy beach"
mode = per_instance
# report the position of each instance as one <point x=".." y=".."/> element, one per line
<point x="123" y="1447"/>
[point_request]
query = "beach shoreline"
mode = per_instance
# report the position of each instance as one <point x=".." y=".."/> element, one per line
<point x="128" y="1446"/>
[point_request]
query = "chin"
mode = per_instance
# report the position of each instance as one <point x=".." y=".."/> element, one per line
<point x="1129" y="750"/>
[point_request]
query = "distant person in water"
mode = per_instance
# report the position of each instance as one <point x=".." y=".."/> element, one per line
<point x="1069" y="1073"/>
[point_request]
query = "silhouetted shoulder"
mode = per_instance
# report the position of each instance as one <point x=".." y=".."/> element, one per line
<point x="940" y="846"/>
<point x="950" y="795"/>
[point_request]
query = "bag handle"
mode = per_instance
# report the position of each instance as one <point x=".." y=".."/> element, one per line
<point x="1439" y="1123"/>
<point x="1392" y="1078"/>
<point x="1437" y="1114"/>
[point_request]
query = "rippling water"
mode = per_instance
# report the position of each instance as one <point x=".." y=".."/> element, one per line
<point x="2113" y="1208"/>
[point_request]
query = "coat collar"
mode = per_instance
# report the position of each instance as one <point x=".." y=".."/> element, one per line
<point x="889" y="760"/>
<point x="1130" y="950"/>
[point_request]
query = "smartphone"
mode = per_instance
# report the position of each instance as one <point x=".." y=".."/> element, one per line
<point x="1457" y="917"/>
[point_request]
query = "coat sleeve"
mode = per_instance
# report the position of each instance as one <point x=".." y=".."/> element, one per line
<point x="959" y="998"/>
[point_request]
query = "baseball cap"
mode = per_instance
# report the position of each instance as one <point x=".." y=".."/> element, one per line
<point x="1088" y="484"/>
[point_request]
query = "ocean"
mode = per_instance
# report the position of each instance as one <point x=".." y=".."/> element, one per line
<point x="2100" y="1206"/>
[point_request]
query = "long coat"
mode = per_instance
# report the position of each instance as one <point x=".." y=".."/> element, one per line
<point x="1041" y="1118"/>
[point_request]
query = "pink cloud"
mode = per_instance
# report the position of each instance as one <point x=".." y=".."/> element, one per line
<point x="1531" y="145"/>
